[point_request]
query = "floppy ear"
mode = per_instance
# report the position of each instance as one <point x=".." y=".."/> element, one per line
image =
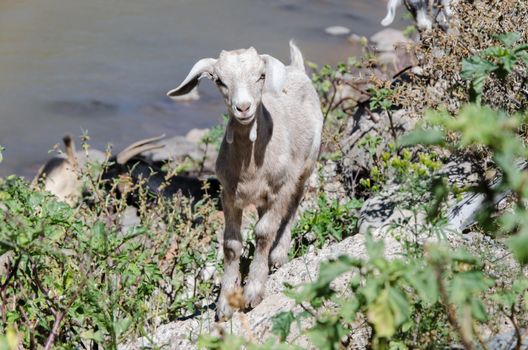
<point x="275" y="73"/>
<point x="391" y="12"/>
<point x="203" y="67"/>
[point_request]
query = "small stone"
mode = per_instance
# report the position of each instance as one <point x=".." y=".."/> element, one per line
<point x="355" y="39"/>
<point x="129" y="219"/>
<point x="207" y="272"/>
<point x="337" y="30"/>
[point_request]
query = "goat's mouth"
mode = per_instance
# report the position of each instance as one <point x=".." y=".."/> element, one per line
<point x="245" y="120"/>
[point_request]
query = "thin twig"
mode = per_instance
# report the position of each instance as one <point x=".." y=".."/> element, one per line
<point x="451" y="313"/>
<point x="373" y="117"/>
<point x="511" y="316"/>
<point x="12" y="272"/>
<point x="334" y="88"/>
<point x="401" y="71"/>
<point x="393" y="130"/>
<point x="59" y="317"/>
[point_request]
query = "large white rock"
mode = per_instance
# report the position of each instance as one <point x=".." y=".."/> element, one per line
<point x="386" y="39"/>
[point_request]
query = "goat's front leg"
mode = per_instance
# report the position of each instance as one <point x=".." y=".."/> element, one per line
<point x="232" y="251"/>
<point x="271" y="220"/>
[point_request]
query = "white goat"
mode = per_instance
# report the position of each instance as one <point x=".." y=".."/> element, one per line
<point x="60" y="175"/>
<point x="269" y="150"/>
<point x="425" y="12"/>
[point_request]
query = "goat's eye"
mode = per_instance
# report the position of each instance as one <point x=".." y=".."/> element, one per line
<point x="262" y="77"/>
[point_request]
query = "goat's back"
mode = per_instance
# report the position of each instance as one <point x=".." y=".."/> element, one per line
<point x="296" y="115"/>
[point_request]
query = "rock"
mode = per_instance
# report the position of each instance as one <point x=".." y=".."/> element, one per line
<point x="326" y="179"/>
<point x="387" y="39"/>
<point x="356" y="39"/>
<point x="129" y="219"/>
<point x="463" y="213"/>
<point x="394" y="50"/>
<point x="207" y="272"/>
<point x="337" y="30"/>
<point x="508" y="341"/>
<point x="5" y="260"/>
<point x="386" y="217"/>
<point x="178" y="148"/>
<point x="376" y="211"/>
<point x="196" y="135"/>
<point x="365" y="137"/>
<point x="390" y="205"/>
<point x="257" y="322"/>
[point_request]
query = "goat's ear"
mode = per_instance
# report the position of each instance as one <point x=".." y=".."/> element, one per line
<point x="202" y="68"/>
<point x="275" y="73"/>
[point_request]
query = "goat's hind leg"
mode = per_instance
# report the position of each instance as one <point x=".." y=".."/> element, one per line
<point x="231" y="279"/>
<point x="281" y="246"/>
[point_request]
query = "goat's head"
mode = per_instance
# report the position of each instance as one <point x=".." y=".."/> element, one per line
<point x="420" y="10"/>
<point x="241" y="76"/>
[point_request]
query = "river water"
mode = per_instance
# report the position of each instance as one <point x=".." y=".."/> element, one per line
<point x="103" y="66"/>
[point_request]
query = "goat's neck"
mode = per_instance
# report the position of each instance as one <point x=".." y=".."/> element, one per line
<point x="244" y="134"/>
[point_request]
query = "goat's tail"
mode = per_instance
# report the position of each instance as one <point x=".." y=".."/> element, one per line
<point x="297" y="59"/>
<point x="69" y="144"/>
<point x="391" y="12"/>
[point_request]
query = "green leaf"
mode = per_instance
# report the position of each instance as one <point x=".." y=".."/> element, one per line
<point x="349" y="308"/>
<point x="509" y="39"/>
<point x="424" y="282"/>
<point x="423" y="137"/>
<point x="375" y="249"/>
<point x="326" y="334"/>
<point x="122" y="325"/>
<point x="399" y="306"/>
<point x="476" y="67"/>
<point x="467" y="284"/>
<point x="478" y="310"/>
<point x="519" y="247"/>
<point x="282" y="324"/>
<point x="380" y="316"/>
<point x="91" y="335"/>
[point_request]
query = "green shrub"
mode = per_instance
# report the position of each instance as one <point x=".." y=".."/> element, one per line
<point x="330" y="222"/>
<point x="73" y="276"/>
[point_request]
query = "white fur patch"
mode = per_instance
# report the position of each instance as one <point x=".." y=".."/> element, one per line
<point x="423" y="21"/>
<point x="253" y="132"/>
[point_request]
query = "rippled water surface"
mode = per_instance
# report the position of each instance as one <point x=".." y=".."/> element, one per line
<point x="103" y="66"/>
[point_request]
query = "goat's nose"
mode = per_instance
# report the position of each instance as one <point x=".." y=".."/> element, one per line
<point x="243" y="107"/>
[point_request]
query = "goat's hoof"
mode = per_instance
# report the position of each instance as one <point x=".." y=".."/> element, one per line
<point x="253" y="294"/>
<point x="278" y="258"/>
<point x="229" y="302"/>
<point x="223" y="311"/>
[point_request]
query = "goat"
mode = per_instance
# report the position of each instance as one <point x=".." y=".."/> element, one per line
<point x="425" y="12"/>
<point x="152" y="178"/>
<point x="269" y="150"/>
<point x="60" y="175"/>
